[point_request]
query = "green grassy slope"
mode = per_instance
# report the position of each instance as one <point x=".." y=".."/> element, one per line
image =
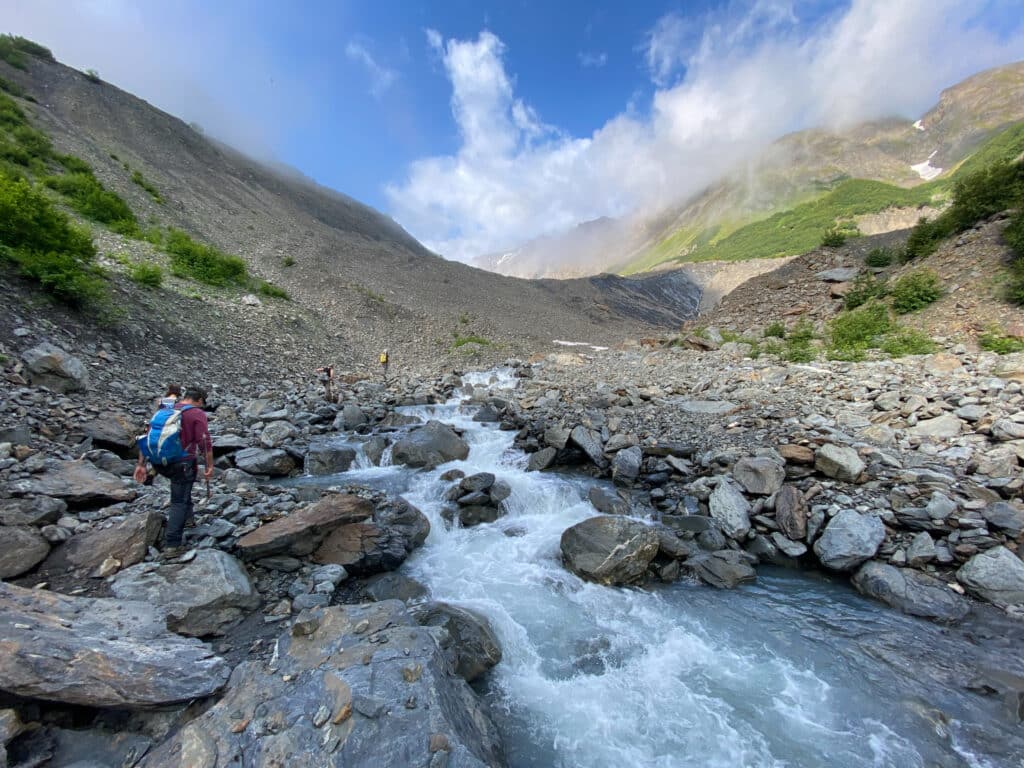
<point x="799" y="228"/>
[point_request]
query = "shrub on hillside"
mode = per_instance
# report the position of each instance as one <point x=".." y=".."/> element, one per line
<point x="908" y="341"/>
<point x="203" y="263"/>
<point x="995" y="341"/>
<point x="915" y="291"/>
<point x="775" y="330"/>
<point x="43" y="245"/>
<point x="880" y="257"/>
<point x="152" y="191"/>
<point x="833" y="238"/>
<point x="146" y="273"/>
<point x="92" y="76"/>
<point x="853" y="333"/>
<point x="799" y="346"/>
<point x="273" y="291"/>
<point x="864" y="288"/>
<point x="15" y="50"/>
<point x="91" y="199"/>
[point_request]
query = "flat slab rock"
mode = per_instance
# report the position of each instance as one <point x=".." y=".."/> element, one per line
<point x="99" y="653"/>
<point x="301" y="532"/>
<point x="706" y="407"/>
<point x="354" y="686"/>
<point x="910" y="591"/>
<point x="126" y="542"/>
<point x="77" y="482"/>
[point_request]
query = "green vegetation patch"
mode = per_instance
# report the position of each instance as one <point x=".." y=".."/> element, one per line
<point x="915" y="291"/>
<point x="203" y="263"/>
<point x="90" y="198"/>
<point x="15" y="50"/>
<point x="880" y="258"/>
<point x="995" y="341"/>
<point x="908" y="341"/>
<point x="46" y="247"/>
<point x="799" y="345"/>
<point x="775" y="330"/>
<point x="852" y="333"/>
<point x="865" y="288"/>
<point x="272" y="291"/>
<point x="152" y="191"/>
<point x="461" y="341"/>
<point x="146" y="273"/>
<point x="799" y="229"/>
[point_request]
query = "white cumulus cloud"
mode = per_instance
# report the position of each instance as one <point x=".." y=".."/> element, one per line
<point x="739" y="80"/>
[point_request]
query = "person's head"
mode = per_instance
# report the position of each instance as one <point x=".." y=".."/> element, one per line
<point x="173" y="390"/>
<point x="195" y="395"/>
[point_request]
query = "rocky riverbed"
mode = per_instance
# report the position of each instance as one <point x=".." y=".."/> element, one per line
<point x="287" y="629"/>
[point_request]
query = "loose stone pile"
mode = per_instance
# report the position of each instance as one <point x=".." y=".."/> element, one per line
<point x="905" y="475"/>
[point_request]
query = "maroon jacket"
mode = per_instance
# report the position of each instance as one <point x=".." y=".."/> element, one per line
<point x="195" y="431"/>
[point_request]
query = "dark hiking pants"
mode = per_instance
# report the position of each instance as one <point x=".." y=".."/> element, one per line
<point x="182" y="476"/>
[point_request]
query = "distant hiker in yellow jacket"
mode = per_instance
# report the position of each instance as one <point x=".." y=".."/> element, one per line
<point x="384" y="362"/>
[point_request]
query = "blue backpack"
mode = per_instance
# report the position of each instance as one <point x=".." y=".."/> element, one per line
<point x="162" y="444"/>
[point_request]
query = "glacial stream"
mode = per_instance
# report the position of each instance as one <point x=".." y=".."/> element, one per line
<point x="796" y="670"/>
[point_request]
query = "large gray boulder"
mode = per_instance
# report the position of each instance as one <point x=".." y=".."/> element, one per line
<point x="328" y="459"/>
<point x="589" y="441"/>
<point x="428" y="446"/>
<point x="724" y="569"/>
<point x="263" y="461"/>
<point x="838" y="461"/>
<point x="910" y="591"/>
<point x="127" y="542"/>
<point x="607" y="502"/>
<point x="609" y="549"/>
<point x="996" y="575"/>
<point x="99" y="653"/>
<point x="301" y="532"/>
<point x="1005" y="516"/>
<point x="849" y="539"/>
<point x="201" y="597"/>
<point x="349" y="417"/>
<point x="626" y="465"/>
<point x="791" y="512"/>
<point x="21" y="550"/>
<point x="732" y="511"/>
<point x="380" y="543"/>
<point x="759" y="475"/>
<point x="276" y="433"/>
<point x="50" y="366"/>
<point x="352" y="687"/>
<point x="38" y="510"/>
<point x="76" y="482"/>
<point x="541" y="460"/>
<point x="468" y="637"/>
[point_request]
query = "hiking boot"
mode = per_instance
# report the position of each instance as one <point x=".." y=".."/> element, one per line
<point x="169" y="553"/>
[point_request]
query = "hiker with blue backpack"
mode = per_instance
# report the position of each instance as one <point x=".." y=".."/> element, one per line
<point x="176" y="438"/>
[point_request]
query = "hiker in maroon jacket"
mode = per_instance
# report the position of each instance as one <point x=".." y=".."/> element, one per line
<point x="195" y="439"/>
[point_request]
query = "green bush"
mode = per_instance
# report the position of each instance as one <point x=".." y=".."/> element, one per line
<point x="833" y="238"/>
<point x="908" y="341"/>
<point x="852" y="333"/>
<point x="146" y="273"/>
<point x="915" y="291"/>
<point x="153" y="235"/>
<point x="775" y="330"/>
<point x="91" y="199"/>
<point x="12" y="88"/>
<point x="43" y="245"/>
<point x="880" y="257"/>
<point x="273" y="291"/>
<point x="461" y="341"/>
<point x="74" y="164"/>
<point x="994" y="341"/>
<point x="14" y="49"/>
<point x="92" y="76"/>
<point x="799" y="346"/>
<point x="864" y="288"/>
<point x="203" y="263"/>
<point x="289" y="261"/>
<point x="152" y="191"/>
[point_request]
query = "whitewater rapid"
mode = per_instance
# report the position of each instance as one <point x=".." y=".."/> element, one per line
<point x="788" y="672"/>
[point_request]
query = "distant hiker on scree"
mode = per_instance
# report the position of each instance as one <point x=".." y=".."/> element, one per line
<point x="326" y="375"/>
<point x="384" y="362"/>
<point x="175" y="439"/>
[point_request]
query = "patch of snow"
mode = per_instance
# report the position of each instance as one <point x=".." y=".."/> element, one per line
<point x="506" y="257"/>
<point x="925" y="170"/>
<point x="917" y="124"/>
<point x="578" y="344"/>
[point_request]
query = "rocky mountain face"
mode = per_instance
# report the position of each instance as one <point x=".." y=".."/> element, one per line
<point x="796" y="167"/>
<point x="350" y="271"/>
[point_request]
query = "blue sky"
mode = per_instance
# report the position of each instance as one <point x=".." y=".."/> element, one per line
<point x="478" y="125"/>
